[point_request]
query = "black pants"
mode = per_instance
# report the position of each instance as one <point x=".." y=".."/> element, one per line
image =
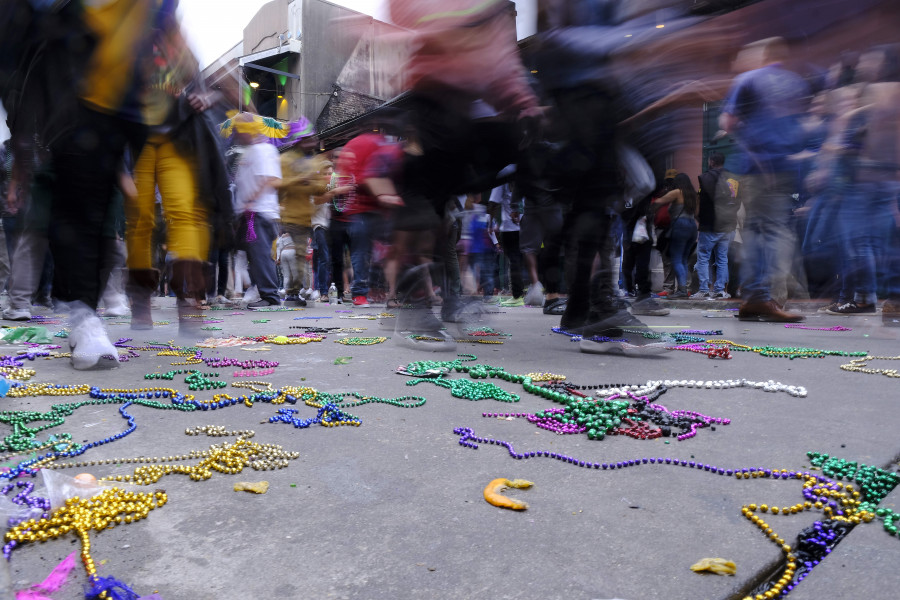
<point x="509" y="241"/>
<point x="636" y="267"/>
<point x="590" y="296"/>
<point x="87" y="162"/>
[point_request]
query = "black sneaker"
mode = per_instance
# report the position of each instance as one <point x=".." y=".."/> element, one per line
<point x="611" y="325"/>
<point x="829" y="307"/>
<point x="261" y="304"/>
<point x="650" y="307"/>
<point x="852" y="308"/>
<point x="294" y="300"/>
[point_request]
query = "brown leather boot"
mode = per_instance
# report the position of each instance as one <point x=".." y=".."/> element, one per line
<point x="189" y="283"/>
<point x="767" y="312"/>
<point x="142" y="283"/>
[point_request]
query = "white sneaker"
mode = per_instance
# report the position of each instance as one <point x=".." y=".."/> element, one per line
<point x="91" y="348"/>
<point x="17" y="314"/>
<point x="119" y="309"/>
<point x="535" y="295"/>
<point x="251" y="296"/>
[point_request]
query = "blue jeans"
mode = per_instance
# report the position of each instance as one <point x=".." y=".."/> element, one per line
<point x="356" y="233"/>
<point x="322" y="260"/>
<point x="681" y="242"/>
<point x="709" y="243"/>
<point x="866" y="224"/>
<point x="259" y="255"/>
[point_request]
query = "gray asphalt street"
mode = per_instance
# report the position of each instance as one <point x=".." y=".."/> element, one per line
<point x="394" y="507"/>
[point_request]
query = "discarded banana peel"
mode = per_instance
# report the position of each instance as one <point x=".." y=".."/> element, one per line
<point x="492" y="495"/>
<point x="719" y="566"/>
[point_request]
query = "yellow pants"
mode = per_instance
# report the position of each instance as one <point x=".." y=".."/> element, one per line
<point x="187" y="218"/>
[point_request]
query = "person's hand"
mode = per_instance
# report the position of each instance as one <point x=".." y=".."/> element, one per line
<point x="200" y="102"/>
<point x="343" y="189"/>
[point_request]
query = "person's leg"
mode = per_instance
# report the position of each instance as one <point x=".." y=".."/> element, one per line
<point x="86" y="163"/>
<point x="338" y="235"/>
<point x="890" y="309"/>
<point x="27" y="260"/>
<point x="509" y="240"/>
<point x="140" y="210"/>
<point x="140" y="221"/>
<point x="641" y="254"/>
<point x="678" y="242"/>
<point x="300" y="236"/>
<point x="872" y="219"/>
<point x="259" y="255"/>
<point x="288" y="268"/>
<point x="224" y="262"/>
<point x="12" y="226"/>
<point x="5" y="267"/>
<point x="721" y="257"/>
<point x="187" y="217"/>
<point x="487" y="262"/>
<point x="241" y="273"/>
<point x="548" y="257"/>
<point x="360" y="253"/>
<point x="706" y="241"/>
<point x="323" y="260"/>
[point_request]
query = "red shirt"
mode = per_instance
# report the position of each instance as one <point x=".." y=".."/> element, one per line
<point x="352" y="161"/>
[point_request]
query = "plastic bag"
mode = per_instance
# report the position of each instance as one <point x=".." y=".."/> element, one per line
<point x="640" y="234"/>
<point x="20" y="335"/>
<point x="12" y="513"/>
<point x="62" y="487"/>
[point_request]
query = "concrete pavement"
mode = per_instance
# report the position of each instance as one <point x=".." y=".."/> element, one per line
<point x="394" y="508"/>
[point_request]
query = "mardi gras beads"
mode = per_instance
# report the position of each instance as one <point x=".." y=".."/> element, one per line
<point x="105" y="510"/>
<point x="361" y="341"/>
<point x="859" y="365"/>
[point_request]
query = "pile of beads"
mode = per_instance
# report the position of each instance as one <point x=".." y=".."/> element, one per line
<point x="329" y="415"/>
<point x="107" y="509"/>
<point x="471" y="390"/>
<point x="25" y="499"/>
<point x="597" y="419"/>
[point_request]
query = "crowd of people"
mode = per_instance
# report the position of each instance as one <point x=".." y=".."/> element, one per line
<point x="490" y="185"/>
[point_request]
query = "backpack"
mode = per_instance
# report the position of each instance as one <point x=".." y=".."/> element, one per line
<point x="727" y="202"/>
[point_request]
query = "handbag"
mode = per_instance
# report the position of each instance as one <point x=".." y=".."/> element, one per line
<point x="640" y="234"/>
<point x="662" y="219"/>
